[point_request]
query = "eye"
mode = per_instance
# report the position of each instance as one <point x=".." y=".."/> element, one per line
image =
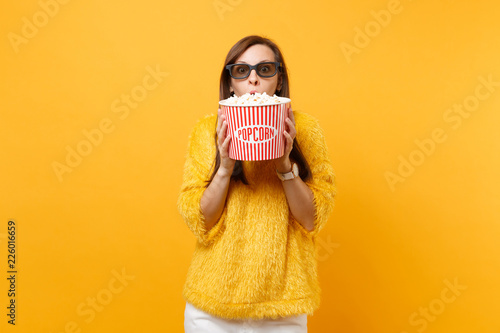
<point x="265" y="69"/>
<point x="240" y="70"/>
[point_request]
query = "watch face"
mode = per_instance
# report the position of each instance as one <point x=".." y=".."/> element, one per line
<point x="295" y="169"/>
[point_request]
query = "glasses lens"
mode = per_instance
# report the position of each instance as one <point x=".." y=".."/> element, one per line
<point x="240" y="71"/>
<point x="266" y="69"/>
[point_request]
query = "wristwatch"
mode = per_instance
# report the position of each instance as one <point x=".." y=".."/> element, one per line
<point x="289" y="175"/>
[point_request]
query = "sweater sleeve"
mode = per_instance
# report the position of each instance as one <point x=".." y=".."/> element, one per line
<point x="197" y="169"/>
<point x="311" y="140"/>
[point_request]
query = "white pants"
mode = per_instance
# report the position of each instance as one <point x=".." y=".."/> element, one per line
<point x="198" y="321"/>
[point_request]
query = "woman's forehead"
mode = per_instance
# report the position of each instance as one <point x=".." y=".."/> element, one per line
<point x="256" y="53"/>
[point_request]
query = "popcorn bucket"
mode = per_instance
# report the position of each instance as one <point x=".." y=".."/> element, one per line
<point x="256" y="130"/>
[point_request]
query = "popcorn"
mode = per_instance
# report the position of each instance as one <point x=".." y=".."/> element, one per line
<point x="255" y="124"/>
<point x="254" y="99"/>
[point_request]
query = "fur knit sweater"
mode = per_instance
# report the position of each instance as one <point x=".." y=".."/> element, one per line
<point x="257" y="261"/>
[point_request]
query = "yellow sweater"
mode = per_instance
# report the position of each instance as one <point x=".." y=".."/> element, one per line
<point x="257" y="261"/>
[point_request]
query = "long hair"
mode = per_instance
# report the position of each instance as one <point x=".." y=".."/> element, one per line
<point x="224" y="92"/>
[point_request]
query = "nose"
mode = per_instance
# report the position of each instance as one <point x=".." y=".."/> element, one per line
<point x="253" y="77"/>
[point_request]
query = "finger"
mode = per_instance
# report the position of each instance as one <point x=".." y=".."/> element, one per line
<point x="290" y="115"/>
<point x="220" y="123"/>
<point x="223" y="130"/>
<point x="291" y="128"/>
<point x="220" y="119"/>
<point x="289" y="141"/>
<point x="224" y="149"/>
<point x="219" y="115"/>
<point x="225" y="144"/>
<point x="221" y="135"/>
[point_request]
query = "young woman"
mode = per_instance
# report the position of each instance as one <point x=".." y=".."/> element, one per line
<point x="255" y="222"/>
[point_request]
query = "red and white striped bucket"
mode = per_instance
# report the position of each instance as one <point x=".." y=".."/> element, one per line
<point x="256" y="131"/>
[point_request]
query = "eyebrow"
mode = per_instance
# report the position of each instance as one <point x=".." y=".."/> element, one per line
<point x="244" y="62"/>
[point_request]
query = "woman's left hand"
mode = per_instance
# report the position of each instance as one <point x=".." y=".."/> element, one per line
<point x="283" y="164"/>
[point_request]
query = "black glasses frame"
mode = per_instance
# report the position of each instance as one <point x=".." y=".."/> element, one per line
<point x="277" y="64"/>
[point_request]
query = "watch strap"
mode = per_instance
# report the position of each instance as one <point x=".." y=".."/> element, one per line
<point x="289" y="175"/>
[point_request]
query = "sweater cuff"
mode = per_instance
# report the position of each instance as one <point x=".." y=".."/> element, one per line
<point x="322" y="209"/>
<point x="190" y="209"/>
<point x="203" y="236"/>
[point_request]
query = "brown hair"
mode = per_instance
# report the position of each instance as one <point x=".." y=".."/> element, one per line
<point x="224" y="92"/>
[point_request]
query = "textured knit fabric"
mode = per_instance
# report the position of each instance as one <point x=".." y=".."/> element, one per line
<point x="257" y="261"/>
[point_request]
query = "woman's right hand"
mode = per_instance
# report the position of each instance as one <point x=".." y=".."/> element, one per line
<point x="214" y="197"/>
<point x="226" y="163"/>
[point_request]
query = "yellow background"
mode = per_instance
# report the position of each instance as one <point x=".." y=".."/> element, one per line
<point x="387" y="252"/>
